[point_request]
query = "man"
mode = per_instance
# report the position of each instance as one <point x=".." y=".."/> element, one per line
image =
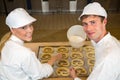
<point x="107" y="47"/>
<point x="17" y="61"/>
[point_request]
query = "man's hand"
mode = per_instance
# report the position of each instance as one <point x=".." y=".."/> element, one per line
<point x="73" y="73"/>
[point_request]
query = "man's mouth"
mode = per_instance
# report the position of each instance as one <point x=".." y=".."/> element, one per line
<point x="90" y="33"/>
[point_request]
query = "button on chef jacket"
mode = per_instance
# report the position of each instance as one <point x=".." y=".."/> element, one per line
<point x="107" y="59"/>
<point x="20" y="63"/>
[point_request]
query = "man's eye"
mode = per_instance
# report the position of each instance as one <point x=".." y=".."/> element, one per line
<point x="84" y="24"/>
<point x="92" y="22"/>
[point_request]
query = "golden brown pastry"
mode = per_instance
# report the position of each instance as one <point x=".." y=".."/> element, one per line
<point x="62" y="71"/>
<point x="76" y="55"/>
<point x="81" y="49"/>
<point x="65" y="55"/>
<point x="62" y="50"/>
<point x="89" y="48"/>
<point x="80" y="71"/>
<point x="46" y="56"/>
<point x="90" y="55"/>
<point x="43" y="61"/>
<point x="63" y="63"/>
<point x="75" y="49"/>
<point x="91" y="62"/>
<point x="47" y="50"/>
<point x="77" y="62"/>
<point x="90" y="68"/>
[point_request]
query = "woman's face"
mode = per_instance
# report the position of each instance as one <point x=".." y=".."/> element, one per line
<point x="24" y="33"/>
<point x="94" y="27"/>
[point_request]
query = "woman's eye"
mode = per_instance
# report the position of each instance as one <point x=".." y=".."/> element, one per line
<point x="31" y="25"/>
<point x="23" y="27"/>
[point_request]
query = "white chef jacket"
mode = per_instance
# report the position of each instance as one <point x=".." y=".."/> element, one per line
<point x="107" y="59"/>
<point x="20" y="63"/>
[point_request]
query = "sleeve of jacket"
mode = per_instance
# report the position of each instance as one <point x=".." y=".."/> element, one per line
<point x="77" y="78"/>
<point x="108" y="70"/>
<point x="34" y="69"/>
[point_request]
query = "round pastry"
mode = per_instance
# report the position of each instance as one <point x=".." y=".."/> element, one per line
<point x="88" y="48"/>
<point x="63" y="63"/>
<point x="77" y="62"/>
<point x="75" y="49"/>
<point x="90" y="55"/>
<point x="64" y="55"/>
<point x="43" y="61"/>
<point x="80" y="71"/>
<point x="46" y="56"/>
<point x="62" y="71"/>
<point x="90" y="68"/>
<point x="62" y="50"/>
<point x="81" y="48"/>
<point x="91" y="62"/>
<point x="76" y="55"/>
<point x="47" y="50"/>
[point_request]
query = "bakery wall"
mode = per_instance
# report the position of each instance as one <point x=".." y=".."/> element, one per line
<point x="55" y="5"/>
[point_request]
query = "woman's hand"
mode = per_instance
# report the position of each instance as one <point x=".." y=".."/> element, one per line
<point x="55" y="58"/>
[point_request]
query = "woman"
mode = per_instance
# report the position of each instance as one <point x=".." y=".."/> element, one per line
<point x="17" y="61"/>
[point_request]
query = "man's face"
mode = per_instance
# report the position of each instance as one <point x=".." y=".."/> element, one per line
<point x="94" y="27"/>
<point x="24" y="33"/>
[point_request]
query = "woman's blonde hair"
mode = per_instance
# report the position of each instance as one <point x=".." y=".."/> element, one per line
<point x="3" y="40"/>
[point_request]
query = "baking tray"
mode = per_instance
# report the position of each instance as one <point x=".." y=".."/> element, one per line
<point x="82" y="50"/>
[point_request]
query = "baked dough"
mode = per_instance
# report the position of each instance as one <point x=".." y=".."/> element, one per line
<point x="90" y="68"/>
<point x="76" y="55"/>
<point x="91" y="62"/>
<point x="47" y="50"/>
<point x="77" y="62"/>
<point x="43" y="61"/>
<point x="62" y="71"/>
<point x="80" y="71"/>
<point x="90" y="55"/>
<point x="75" y="49"/>
<point x="46" y="56"/>
<point x="65" y="55"/>
<point x="62" y="50"/>
<point x="89" y="48"/>
<point x="63" y="63"/>
<point x="81" y="49"/>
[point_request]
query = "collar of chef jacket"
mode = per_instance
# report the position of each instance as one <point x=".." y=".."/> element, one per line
<point x="17" y="40"/>
<point x="101" y="42"/>
<point x="100" y="49"/>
